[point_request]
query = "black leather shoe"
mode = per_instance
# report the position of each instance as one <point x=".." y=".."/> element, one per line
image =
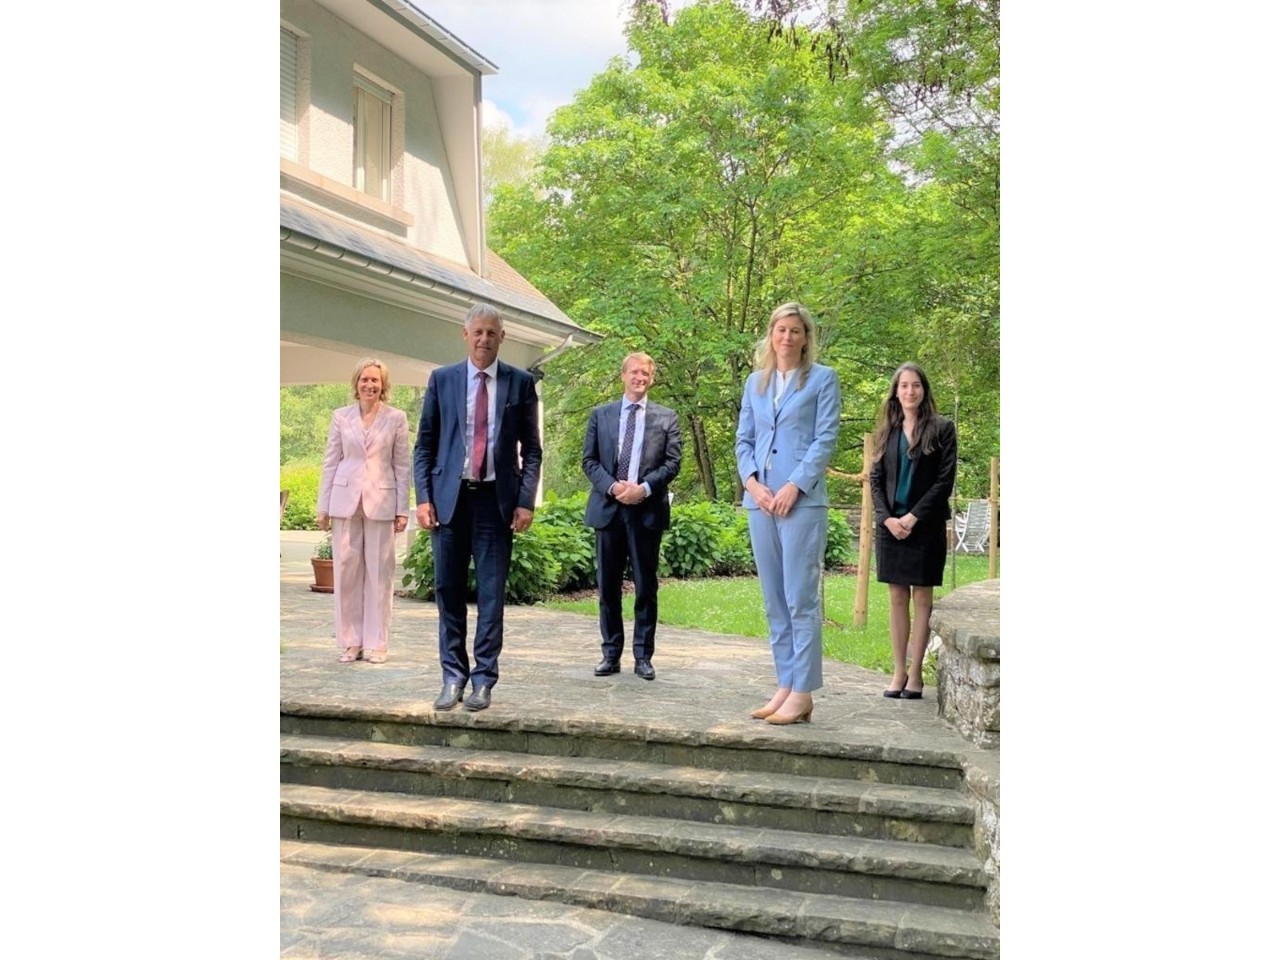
<point x="607" y="666"/>
<point x="644" y="670"/>
<point x="912" y="694"/>
<point x="450" y="696"/>
<point x="479" y="699"/>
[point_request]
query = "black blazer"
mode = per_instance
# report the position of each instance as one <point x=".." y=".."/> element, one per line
<point x="659" y="463"/>
<point x="517" y="448"/>
<point x="931" y="484"/>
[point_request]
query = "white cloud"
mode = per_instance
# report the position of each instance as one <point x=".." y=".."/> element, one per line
<point x="494" y="117"/>
<point x="545" y="50"/>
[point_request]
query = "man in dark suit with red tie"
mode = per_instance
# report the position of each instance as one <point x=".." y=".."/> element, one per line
<point x="476" y="466"/>
<point x="631" y="454"/>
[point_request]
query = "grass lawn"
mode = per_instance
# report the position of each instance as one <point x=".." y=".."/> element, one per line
<point x="733" y="605"/>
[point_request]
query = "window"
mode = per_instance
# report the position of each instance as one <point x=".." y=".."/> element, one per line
<point x="372" y="159"/>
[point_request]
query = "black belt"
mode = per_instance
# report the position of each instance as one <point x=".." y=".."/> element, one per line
<point x="479" y="484"/>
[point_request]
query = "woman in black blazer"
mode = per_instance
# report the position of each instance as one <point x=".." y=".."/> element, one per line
<point x="912" y="473"/>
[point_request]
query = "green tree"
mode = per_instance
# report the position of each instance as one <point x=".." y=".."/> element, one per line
<point x="508" y="158"/>
<point x="681" y="199"/>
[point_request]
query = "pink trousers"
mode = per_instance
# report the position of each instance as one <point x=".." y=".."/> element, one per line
<point x="364" y="563"/>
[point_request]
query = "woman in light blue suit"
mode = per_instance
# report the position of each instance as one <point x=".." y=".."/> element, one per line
<point x="786" y="435"/>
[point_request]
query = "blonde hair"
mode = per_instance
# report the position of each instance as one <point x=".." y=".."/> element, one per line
<point x="767" y="360"/>
<point x="643" y="358"/>
<point x="383" y="372"/>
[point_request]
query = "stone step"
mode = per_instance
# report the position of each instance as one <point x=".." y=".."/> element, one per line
<point x="834" y="806"/>
<point x="656" y="846"/>
<point x="761" y="748"/>
<point x="863" y="928"/>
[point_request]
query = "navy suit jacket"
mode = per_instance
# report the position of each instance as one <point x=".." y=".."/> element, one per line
<point x="440" y="450"/>
<point x="659" y="463"/>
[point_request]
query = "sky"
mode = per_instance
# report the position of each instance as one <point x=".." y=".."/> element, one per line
<point x="545" y="51"/>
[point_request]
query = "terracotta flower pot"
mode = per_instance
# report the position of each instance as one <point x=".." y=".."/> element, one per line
<point x="323" y="571"/>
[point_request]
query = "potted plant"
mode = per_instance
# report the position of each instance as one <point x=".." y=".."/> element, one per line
<point x="322" y="566"/>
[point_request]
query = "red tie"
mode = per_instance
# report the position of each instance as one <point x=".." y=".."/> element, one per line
<point x="480" y="442"/>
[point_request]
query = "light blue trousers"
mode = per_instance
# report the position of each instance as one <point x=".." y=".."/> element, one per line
<point x="789" y="552"/>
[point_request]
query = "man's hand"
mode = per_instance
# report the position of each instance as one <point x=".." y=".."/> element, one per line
<point x="426" y="516"/>
<point x="628" y="493"/>
<point x="522" y="520"/>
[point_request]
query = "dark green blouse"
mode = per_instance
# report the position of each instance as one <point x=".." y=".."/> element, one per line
<point x="906" y="470"/>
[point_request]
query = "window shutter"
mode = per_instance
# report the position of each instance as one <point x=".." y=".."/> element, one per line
<point x="288" y="95"/>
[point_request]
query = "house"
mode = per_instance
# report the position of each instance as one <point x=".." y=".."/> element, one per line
<point x="382" y="233"/>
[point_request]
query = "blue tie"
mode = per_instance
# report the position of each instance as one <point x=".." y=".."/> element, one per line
<point x="628" y="439"/>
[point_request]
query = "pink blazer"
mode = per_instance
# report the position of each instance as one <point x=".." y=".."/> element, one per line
<point x="372" y="471"/>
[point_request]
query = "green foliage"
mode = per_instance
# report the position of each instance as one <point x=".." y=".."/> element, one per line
<point x="691" y="546"/>
<point x="733" y="543"/>
<point x="324" y="549"/>
<point x="727" y="166"/>
<point x="840" y="552"/>
<point x="561" y="520"/>
<point x="420" y="568"/>
<point x="302" y="480"/>
<point x="508" y="157"/>
<point x="535" y="564"/>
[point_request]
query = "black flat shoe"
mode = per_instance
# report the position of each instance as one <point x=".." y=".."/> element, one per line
<point x="644" y="670"/>
<point x="893" y="694"/>
<point x="450" y="696"/>
<point x="479" y="699"/>
<point x="912" y="694"/>
<point x="606" y="667"/>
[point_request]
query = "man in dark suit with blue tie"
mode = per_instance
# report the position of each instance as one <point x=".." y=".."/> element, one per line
<point x="631" y="454"/>
<point x="476" y="466"/>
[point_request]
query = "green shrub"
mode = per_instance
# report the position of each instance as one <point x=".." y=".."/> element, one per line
<point x="535" y="564"/>
<point x="734" y="557"/>
<point x="563" y="511"/>
<point x="299" y="515"/>
<point x="302" y="480"/>
<point x="691" y="547"/>
<point x="840" y="552"/>
<point x="562" y="521"/>
<point x="420" y="568"/>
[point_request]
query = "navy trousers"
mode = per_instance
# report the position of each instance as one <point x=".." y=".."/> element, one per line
<point x="476" y="531"/>
<point x="626" y="538"/>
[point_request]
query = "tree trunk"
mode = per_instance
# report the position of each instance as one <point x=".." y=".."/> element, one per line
<point x="703" y="455"/>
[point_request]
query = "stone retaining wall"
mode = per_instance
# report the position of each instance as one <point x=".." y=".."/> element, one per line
<point x="966" y="623"/>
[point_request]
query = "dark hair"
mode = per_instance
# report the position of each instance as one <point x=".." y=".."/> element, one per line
<point x="928" y="423"/>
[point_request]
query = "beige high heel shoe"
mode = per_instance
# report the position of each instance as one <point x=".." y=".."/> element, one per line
<point x="762" y="713"/>
<point x="778" y="718"/>
<point x="349" y="655"/>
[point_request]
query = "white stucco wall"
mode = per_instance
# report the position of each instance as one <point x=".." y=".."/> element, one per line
<point x="421" y="184"/>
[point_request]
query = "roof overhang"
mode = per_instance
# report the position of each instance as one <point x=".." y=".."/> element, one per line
<point x="412" y="35"/>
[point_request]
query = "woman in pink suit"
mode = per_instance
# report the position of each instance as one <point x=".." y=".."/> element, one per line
<point x="364" y="490"/>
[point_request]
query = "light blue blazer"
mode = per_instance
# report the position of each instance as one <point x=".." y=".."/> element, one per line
<point x="794" y="442"/>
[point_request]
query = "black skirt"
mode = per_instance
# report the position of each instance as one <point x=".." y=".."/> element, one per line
<point x="916" y="561"/>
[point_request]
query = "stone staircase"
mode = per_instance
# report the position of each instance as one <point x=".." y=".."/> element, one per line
<point x="844" y="847"/>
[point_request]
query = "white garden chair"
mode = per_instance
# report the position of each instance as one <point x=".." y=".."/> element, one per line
<point x="973" y="527"/>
